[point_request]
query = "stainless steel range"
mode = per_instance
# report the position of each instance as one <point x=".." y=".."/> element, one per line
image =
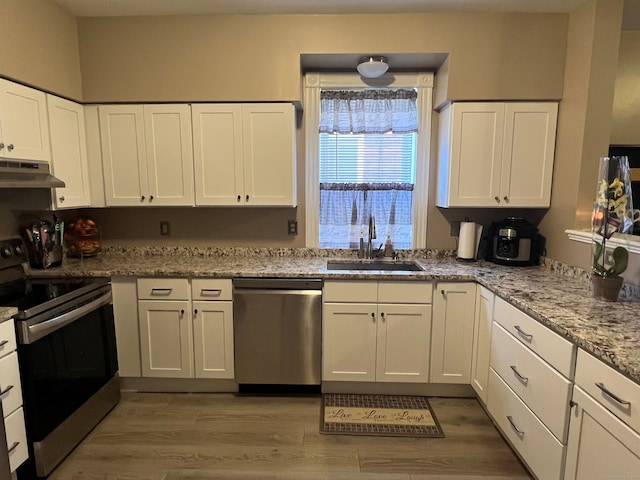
<point x="67" y="357"/>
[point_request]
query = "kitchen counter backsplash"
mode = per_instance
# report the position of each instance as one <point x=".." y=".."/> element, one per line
<point x="556" y="295"/>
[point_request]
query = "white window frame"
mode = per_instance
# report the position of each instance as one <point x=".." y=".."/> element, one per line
<point x="313" y="83"/>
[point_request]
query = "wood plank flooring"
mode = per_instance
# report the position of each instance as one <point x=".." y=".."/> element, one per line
<point x="168" y="436"/>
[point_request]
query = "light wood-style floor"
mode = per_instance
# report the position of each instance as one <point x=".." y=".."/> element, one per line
<point x="166" y="436"/>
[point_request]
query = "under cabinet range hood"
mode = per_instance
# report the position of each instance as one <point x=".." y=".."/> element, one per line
<point x="27" y="174"/>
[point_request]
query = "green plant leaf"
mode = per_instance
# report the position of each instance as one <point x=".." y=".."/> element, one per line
<point x="620" y="261"/>
<point x="596" y="258"/>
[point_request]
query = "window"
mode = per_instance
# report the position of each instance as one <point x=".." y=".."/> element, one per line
<point x="353" y="175"/>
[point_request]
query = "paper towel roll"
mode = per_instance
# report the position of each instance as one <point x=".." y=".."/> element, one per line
<point x="467" y="241"/>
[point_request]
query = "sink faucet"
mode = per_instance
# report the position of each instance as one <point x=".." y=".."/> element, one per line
<point x="372" y="236"/>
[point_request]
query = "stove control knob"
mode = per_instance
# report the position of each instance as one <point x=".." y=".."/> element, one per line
<point x="5" y="252"/>
<point x="18" y="250"/>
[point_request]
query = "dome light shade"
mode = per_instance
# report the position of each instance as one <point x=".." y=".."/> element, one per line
<point x="372" y="67"/>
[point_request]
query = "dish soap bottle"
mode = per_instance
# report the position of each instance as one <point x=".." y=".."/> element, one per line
<point x="388" y="247"/>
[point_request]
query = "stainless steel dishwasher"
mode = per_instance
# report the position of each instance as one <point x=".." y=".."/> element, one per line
<point x="277" y="331"/>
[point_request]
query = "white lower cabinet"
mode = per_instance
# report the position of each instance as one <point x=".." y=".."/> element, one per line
<point x="482" y="342"/>
<point x="530" y="379"/>
<point x="452" y="335"/>
<point x="604" y="432"/>
<point x="181" y="338"/>
<point x="11" y="397"/>
<point x="367" y="337"/>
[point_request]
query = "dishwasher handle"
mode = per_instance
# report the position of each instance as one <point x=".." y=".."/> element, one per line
<point x="274" y="291"/>
<point x="276" y="284"/>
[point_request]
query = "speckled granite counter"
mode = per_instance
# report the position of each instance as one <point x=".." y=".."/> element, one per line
<point x="611" y="331"/>
<point x="7" y="312"/>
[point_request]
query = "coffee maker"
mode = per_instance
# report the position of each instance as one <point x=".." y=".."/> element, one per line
<point x="514" y="241"/>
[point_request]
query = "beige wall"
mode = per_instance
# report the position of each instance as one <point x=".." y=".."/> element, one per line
<point x="626" y="106"/>
<point x="257" y="58"/>
<point x="583" y="125"/>
<point x="40" y="46"/>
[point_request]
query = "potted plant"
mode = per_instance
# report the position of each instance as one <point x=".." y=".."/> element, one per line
<point x="611" y="206"/>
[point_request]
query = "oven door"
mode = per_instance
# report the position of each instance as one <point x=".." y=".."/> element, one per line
<point x="66" y="359"/>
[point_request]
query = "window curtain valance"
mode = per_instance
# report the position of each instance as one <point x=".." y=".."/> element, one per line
<point x="368" y="111"/>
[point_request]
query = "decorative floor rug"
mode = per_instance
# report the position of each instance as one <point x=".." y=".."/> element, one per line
<point x="381" y="415"/>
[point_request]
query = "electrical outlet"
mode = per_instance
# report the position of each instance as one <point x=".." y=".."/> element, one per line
<point x="292" y="226"/>
<point x="165" y="229"/>
<point x="455" y="228"/>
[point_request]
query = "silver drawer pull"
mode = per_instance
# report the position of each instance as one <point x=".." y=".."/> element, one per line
<point x="522" y="333"/>
<point x="513" y="425"/>
<point x="524" y="379"/>
<point x="13" y="447"/>
<point x="161" y="291"/>
<point x="6" y="390"/>
<point x="3" y="343"/>
<point x="612" y="395"/>
<point x="210" y="292"/>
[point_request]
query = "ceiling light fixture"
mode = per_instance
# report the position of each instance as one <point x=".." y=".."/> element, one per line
<point x="372" y="66"/>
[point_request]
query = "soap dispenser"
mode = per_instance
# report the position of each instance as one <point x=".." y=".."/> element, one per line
<point x="388" y="247"/>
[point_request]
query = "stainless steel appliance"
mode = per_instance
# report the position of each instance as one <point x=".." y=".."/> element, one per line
<point x="514" y="241"/>
<point x="277" y="327"/>
<point x="67" y="357"/>
<point x="27" y="174"/>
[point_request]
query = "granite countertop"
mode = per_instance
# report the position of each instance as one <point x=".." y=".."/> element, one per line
<point x="6" y="313"/>
<point x="562" y="302"/>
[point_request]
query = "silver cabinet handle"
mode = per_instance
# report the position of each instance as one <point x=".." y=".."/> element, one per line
<point x="522" y="333"/>
<point x="514" y="426"/>
<point x="505" y="198"/>
<point x="10" y="147"/>
<point x="497" y="199"/>
<point x="210" y="292"/>
<point x="3" y="343"/>
<point x="1" y="146"/>
<point x="13" y="447"/>
<point x="608" y="393"/>
<point x="161" y="291"/>
<point x="6" y="390"/>
<point x="524" y="380"/>
<point x="61" y="198"/>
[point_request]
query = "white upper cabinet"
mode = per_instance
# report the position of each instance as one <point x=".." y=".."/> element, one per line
<point x="244" y="154"/>
<point x="24" y="130"/>
<point x="69" y="153"/>
<point x="496" y="154"/>
<point x="147" y="155"/>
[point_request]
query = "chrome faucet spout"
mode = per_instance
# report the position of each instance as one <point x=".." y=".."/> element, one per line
<point x="372" y="236"/>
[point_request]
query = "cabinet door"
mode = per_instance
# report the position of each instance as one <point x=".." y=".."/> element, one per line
<point x="169" y="154"/>
<point x="69" y="153"/>
<point x="213" y="339"/>
<point x="217" y="150"/>
<point x="599" y="446"/>
<point x="24" y="128"/>
<point x="475" y="153"/>
<point x="269" y="154"/>
<point x="165" y="339"/>
<point x="403" y="343"/>
<point x="528" y="153"/>
<point x="123" y="155"/>
<point x="452" y="335"/>
<point x="349" y="341"/>
<point x="482" y="342"/>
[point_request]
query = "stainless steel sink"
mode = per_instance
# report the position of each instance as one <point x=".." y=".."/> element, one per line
<point x="389" y="266"/>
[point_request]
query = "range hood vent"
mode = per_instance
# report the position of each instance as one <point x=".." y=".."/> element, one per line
<point x="27" y="174"/>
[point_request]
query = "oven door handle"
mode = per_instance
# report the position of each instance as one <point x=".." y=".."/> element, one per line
<point x="42" y="329"/>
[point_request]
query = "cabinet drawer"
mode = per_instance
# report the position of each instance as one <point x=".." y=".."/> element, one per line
<point x="351" y="292"/>
<point x="163" y="289"/>
<point x="534" y="442"/>
<point x="591" y="371"/>
<point x="10" y="391"/>
<point x="211" y="289"/>
<point x="405" y="292"/>
<point x="7" y="337"/>
<point x="539" y="386"/>
<point x="557" y="351"/>
<point x="16" y="439"/>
